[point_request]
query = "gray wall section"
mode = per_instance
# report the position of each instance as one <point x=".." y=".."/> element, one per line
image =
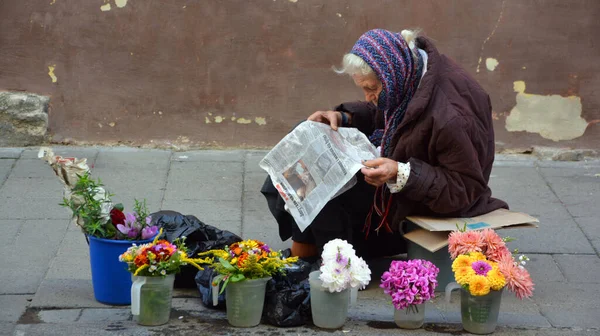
<point x="242" y="73"/>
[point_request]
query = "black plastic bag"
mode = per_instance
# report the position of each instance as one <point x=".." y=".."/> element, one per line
<point x="203" y="282"/>
<point x="200" y="237"/>
<point x="287" y="299"/>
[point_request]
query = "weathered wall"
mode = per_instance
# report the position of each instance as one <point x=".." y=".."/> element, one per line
<point x="241" y="73"/>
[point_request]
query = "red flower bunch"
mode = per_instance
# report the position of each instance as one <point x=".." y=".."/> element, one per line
<point x="117" y="216"/>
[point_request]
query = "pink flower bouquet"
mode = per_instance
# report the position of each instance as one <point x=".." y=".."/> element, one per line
<point x="410" y="283"/>
<point x="488" y="252"/>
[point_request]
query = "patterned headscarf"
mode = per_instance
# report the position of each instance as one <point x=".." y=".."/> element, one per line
<point x="391" y="59"/>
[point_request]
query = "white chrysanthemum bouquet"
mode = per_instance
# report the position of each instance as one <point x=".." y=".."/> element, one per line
<point x="341" y="268"/>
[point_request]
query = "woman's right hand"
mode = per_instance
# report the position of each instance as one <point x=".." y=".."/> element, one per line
<point x="331" y="118"/>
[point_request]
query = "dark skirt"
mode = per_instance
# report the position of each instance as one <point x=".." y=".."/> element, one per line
<point x="343" y="217"/>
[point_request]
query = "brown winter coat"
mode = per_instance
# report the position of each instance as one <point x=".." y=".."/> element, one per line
<point x="448" y="138"/>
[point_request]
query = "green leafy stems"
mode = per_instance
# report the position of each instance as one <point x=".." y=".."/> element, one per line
<point x="88" y="202"/>
<point x="236" y="277"/>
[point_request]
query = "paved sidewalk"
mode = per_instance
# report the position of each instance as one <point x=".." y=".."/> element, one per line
<point x="45" y="286"/>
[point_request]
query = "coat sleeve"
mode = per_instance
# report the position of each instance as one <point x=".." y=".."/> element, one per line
<point x="364" y="115"/>
<point x="457" y="181"/>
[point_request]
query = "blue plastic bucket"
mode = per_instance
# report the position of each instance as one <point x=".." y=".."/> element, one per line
<point x="110" y="278"/>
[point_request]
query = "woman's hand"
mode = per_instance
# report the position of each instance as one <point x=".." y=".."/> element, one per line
<point x="331" y="118"/>
<point x="379" y="171"/>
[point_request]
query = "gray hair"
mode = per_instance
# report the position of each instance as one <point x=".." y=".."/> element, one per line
<point x="354" y="65"/>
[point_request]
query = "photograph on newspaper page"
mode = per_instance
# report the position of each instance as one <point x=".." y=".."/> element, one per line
<point x="314" y="164"/>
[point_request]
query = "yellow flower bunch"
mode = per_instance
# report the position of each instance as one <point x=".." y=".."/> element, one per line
<point x="160" y="258"/>
<point x="248" y="259"/>
<point x="495" y="278"/>
<point x="477" y="274"/>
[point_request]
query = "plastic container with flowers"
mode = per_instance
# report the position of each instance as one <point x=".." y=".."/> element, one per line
<point x="243" y="271"/>
<point x="410" y="284"/>
<point x="154" y="266"/>
<point x="331" y="286"/>
<point x="483" y="266"/>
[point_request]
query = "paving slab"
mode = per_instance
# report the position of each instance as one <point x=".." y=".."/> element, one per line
<point x="209" y="156"/>
<point x="10" y="153"/>
<point x="206" y="211"/>
<point x="65" y="293"/>
<point x="591" y="227"/>
<point x="21" y="279"/>
<point x="59" y="315"/>
<point x="572" y="317"/>
<point x="558" y="232"/>
<point x="65" y="151"/>
<point x="206" y="327"/>
<point x="143" y="181"/>
<point x="507" y="319"/>
<point x="7" y="328"/>
<point x="253" y="182"/>
<point x="10" y="228"/>
<point x="580" y="268"/>
<point x="566" y="294"/>
<point x="72" y="260"/>
<point x="514" y="157"/>
<point x="594" y="163"/>
<point x="188" y="304"/>
<point x="383" y="310"/>
<point x="73" y="226"/>
<point x="13" y="306"/>
<point x="514" y="163"/>
<point x="577" y="188"/>
<point x="205" y="181"/>
<point x="215" y="188"/>
<point x="252" y="161"/>
<point x="33" y="168"/>
<point x="32" y="187"/>
<point x="36" y="244"/>
<point x="130" y="160"/>
<point x="39" y="239"/>
<point x="105" y="315"/>
<point x="5" y="168"/>
<point x="186" y="293"/>
<point x="543" y="268"/>
<point x="33" y="208"/>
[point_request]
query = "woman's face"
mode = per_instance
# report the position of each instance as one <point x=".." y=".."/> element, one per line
<point x="370" y="85"/>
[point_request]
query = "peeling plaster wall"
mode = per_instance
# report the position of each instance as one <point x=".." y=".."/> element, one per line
<point x="242" y="73"/>
<point x="553" y="117"/>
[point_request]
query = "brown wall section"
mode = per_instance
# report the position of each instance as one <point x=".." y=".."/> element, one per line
<point x="157" y="71"/>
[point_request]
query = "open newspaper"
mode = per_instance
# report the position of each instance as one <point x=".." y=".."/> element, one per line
<point x="313" y="164"/>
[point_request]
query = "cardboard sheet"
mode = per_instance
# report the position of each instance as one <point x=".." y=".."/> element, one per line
<point x="434" y="233"/>
<point x="493" y="220"/>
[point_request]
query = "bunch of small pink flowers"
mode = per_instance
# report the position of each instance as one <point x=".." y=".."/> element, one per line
<point x="410" y="283"/>
<point x="494" y="248"/>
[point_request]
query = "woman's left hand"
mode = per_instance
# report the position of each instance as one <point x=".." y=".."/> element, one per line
<point x="379" y="171"/>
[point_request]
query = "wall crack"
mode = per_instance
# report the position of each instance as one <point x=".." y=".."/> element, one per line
<point x="491" y="35"/>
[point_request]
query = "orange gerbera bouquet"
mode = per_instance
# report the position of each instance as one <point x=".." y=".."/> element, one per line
<point x="248" y="259"/>
<point x="482" y="262"/>
<point x="159" y="258"/>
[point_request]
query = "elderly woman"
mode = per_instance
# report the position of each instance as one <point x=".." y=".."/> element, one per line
<point x="432" y="123"/>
